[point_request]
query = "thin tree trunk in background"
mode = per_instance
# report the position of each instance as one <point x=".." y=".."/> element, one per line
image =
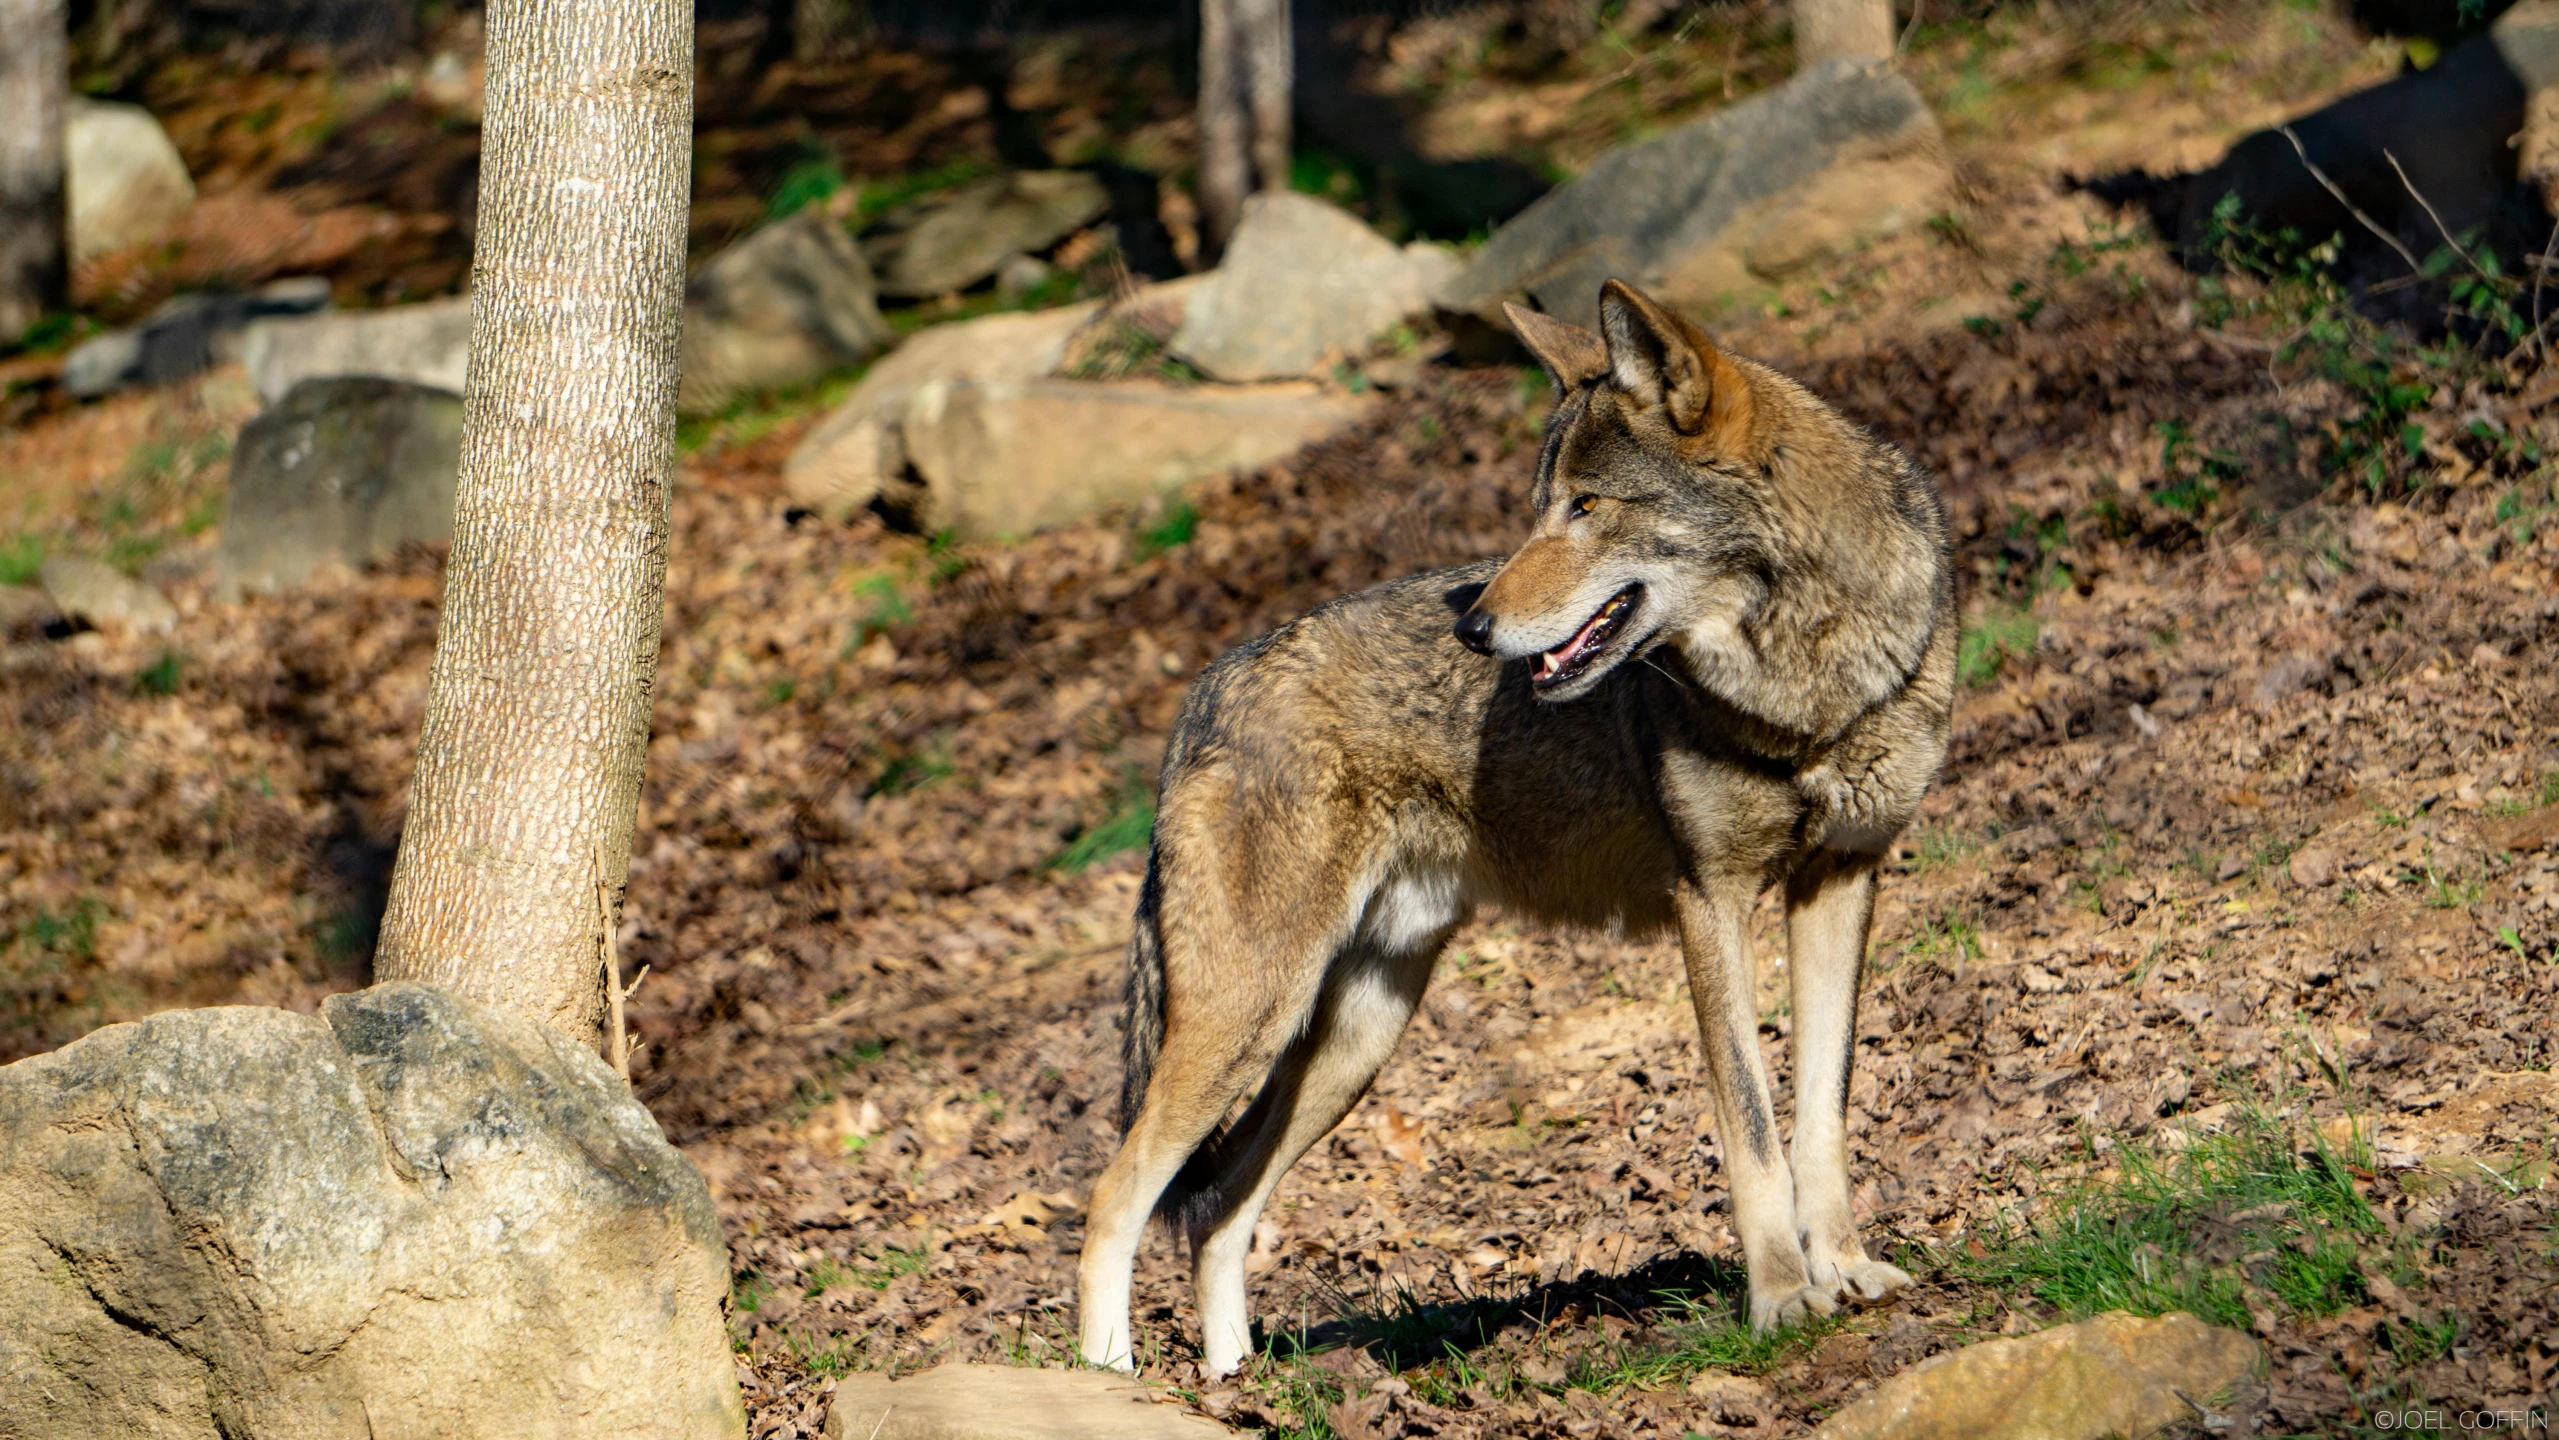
<point x="1245" y="89"/>
<point x="1269" y="57"/>
<point x="537" y="711"/>
<point x="1844" y="29"/>
<point x="34" y="82"/>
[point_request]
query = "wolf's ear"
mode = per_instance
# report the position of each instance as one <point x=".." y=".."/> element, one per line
<point x="1571" y="354"/>
<point x="1659" y="359"/>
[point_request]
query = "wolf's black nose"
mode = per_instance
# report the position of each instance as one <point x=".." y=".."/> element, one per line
<point x="1475" y="631"/>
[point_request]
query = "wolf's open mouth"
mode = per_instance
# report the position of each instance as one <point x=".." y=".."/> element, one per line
<point x="1574" y="656"/>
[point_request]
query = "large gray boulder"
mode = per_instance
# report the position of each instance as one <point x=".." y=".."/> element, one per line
<point x="423" y="344"/>
<point x="1303" y="279"/>
<point x="1713" y="212"/>
<point x="409" y="1215"/>
<point x="124" y="181"/>
<point x="952" y="239"/>
<point x="781" y="307"/>
<point x="343" y="472"/>
<point x="184" y="336"/>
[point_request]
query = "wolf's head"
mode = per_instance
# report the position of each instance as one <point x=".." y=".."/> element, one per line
<point x="1689" y="498"/>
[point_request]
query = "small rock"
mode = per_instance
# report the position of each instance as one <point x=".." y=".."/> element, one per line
<point x="2032" y="840"/>
<point x="26" y="612"/>
<point x="425" y="344"/>
<point x="781" y="307"/>
<point x="2232" y="866"/>
<point x="2314" y="866"/>
<point x="1715" y="210"/>
<point x="1733" y="1399"/>
<point x="2530" y="831"/>
<point x="953" y="239"/>
<point x="104" y="596"/>
<point x="1302" y="279"/>
<point x="1002" y="1402"/>
<point x="1019" y="275"/>
<point x="2288" y="675"/>
<point x="2111" y="1375"/>
<point x="343" y="472"/>
<point x="125" y="182"/>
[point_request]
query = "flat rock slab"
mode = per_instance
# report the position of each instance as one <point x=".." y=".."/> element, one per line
<point x="2115" y="1374"/>
<point x="425" y="344"/>
<point x="1003" y="1402"/>
<point x="1002" y="459"/>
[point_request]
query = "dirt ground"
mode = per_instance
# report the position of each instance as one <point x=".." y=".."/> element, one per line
<point x="2250" y="807"/>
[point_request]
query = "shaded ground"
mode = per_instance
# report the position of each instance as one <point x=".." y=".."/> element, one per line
<point x="2241" y="819"/>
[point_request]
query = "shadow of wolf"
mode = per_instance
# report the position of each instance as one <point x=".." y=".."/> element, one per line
<point x="1723" y="660"/>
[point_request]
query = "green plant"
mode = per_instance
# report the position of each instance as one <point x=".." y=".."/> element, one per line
<point x="1951" y="936"/>
<point x="1176" y="528"/>
<point x="68" y="934"/>
<point x="1129" y="826"/>
<point x="886" y="611"/>
<point x="809" y="180"/>
<point x="21" y="556"/>
<point x="1987" y="644"/>
<point x="914" y="769"/>
<point x="160" y="677"/>
<point x="2258" y="1208"/>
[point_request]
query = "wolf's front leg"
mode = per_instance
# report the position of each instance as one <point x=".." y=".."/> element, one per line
<point x="1830" y="902"/>
<point x="1716" y="944"/>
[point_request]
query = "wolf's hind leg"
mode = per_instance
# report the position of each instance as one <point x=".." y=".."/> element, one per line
<point x="1830" y="903"/>
<point x="1198" y="1075"/>
<point x="1369" y="994"/>
<point x="1721" y="984"/>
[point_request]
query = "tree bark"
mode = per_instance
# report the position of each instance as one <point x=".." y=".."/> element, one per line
<point x="34" y="84"/>
<point x="1842" y="29"/>
<point x="1246" y="64"/>
<point x="538" y="702"/>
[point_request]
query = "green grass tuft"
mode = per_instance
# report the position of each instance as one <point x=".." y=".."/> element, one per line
<point x="1989" y="644"/>
<point x="1130" y="826"/>
<point x="2246" y="1212"/>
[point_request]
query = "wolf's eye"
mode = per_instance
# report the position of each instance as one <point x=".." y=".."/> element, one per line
<point x="1585" y="505"/>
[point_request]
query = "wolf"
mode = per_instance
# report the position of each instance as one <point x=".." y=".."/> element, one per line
<point x="1723" y="660"/>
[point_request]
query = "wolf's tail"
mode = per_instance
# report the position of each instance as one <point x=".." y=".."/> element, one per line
<point x="1144" y="1020"/>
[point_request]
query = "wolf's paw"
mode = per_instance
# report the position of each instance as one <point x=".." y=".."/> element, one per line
<point x="1778" y="1308"/>
<point x="1867" y="1280"/>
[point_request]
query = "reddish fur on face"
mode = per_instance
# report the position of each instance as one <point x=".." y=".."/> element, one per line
<point x="1538" y="578"/>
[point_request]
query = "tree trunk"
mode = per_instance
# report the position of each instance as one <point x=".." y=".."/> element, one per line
<point x="34" y="82"/>
<point x="537" y="711"/>
<point x="1245" y="87"/>
<point x="1844" y="29"/>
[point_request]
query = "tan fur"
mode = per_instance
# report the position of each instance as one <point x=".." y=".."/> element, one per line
<point x="1768" y="709"/>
